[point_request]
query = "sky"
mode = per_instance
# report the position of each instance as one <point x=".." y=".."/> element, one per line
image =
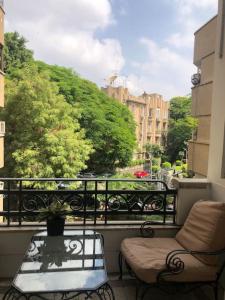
<point x="149" y="43"/>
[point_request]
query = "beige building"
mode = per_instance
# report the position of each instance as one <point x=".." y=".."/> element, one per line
<point x="202" y="92"/>
<point x="150" y="114"/>
<point x="206" y="150"/>
<point x="2" y="124"/>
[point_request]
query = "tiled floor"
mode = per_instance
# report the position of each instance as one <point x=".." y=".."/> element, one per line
<point x="125" y="290"/>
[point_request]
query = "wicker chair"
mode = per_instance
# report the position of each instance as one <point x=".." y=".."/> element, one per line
<point x="189" y="260"/>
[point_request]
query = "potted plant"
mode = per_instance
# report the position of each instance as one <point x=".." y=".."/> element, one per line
<point x="54" y="215"/>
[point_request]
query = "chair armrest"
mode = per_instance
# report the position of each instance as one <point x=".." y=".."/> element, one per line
<point x="175" y="265"/>
<point x="172" y="256"/>
<point x="146" y="230"/>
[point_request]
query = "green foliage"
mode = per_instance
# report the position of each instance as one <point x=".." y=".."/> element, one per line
<point x="43" y="138"/>
<point x="120" y="185"/>
<point x="184" y="167"/>
<point x="155" y="169"/>
<point x="108" y="123"/>
<point x="180" y="108"/>
<point x="166" y="165"/>
<point x="136" y="162"/>
<point x="55" y="210"/>
<point x="181" y="126"/>
<point x="178" y="168"/>
<point x="154" y="150"/>
<point x="155" y="162"/>
<point x="178" y="162"/>
<point x="16" y="55"/>
<point x="178" y="135"/>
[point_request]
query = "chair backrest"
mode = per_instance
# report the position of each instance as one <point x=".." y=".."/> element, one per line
<point x="204" y="229"/>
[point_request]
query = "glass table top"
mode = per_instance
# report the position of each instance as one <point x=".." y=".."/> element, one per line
<point x="72" y="262"/>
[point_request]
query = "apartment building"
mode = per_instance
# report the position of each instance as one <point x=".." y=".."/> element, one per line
<point x="2" y="124"/>
<point x="150" y="113"/>
<point x="202" y="92"/>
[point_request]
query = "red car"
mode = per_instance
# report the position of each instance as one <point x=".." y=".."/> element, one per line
<point x="141" y="174"/>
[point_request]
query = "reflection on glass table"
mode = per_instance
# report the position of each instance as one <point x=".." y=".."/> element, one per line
<point x="71" y="265"/>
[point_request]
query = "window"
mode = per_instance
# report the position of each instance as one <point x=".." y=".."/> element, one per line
<point x="157" y="113"/>
<point x="165" y="114"/>
<point x="150" y="113"/>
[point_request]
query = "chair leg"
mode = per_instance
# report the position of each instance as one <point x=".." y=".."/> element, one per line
<point x="215" y="289"/>
<point x="146" y="289"/>
<point x="120" y="261"/>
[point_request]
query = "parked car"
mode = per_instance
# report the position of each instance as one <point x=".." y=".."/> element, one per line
<point x="141" y="174"/>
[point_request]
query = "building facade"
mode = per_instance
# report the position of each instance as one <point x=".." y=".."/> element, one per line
<point x="202" y="92"/>
<point x="2" y="124"/>
<point x="150" y="113"/>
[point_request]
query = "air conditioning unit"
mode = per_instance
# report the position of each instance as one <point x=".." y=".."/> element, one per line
<point x="2" y="128"/>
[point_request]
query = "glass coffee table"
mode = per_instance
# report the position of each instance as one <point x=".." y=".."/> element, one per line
<point x="71" y="266"/>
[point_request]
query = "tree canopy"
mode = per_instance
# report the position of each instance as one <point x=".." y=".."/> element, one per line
<point x="181" y="126"/>
<point x="108" y="124"/>
<point x="154" y="149"/>
<point x="43" y="138"/>
<point x="16" y="55"/>
<point x="180" y="108"/>
<point x="57" y="93"/>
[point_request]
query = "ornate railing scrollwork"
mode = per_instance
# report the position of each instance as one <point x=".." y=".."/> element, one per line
<point x="90" y="200"/>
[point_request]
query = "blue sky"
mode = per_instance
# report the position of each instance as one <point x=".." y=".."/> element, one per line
<point x="149" y="43"/>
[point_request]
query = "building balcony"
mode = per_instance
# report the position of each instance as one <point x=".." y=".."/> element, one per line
<point x="21" y="203"/>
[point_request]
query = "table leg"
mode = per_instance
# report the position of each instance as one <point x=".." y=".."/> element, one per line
<point x="105" y="292"/>
<point x="13" y="294"/>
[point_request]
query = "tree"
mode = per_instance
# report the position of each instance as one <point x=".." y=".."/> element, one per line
<point x="108" y="124"/>
<point x="43" y="138"/>
<point x="16" y="55"/>
<point x="180" y="108"/>
<point x="181" y="126"/>
<point x="154" y="150"/>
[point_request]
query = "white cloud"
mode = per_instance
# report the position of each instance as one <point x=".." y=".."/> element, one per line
<point x="165" y="72"/>
<point x="64" y="33"/>
<point x="186" y="7"/>
<point x="187" y="12"/>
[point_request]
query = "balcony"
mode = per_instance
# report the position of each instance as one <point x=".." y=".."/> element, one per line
<point x="168" y="208"/>
<point x="96" y="202"/>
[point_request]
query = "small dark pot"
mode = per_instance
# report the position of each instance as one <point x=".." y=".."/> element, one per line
<point x="55" y="226"/>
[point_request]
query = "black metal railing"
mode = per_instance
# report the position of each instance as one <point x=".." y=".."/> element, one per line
<point x="92" y="201"/>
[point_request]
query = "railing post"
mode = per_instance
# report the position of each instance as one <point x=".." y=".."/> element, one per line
<point x="106" y="201"/>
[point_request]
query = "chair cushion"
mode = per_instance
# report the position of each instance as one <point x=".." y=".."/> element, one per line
<point x="204" y="229"/>
<point x="146" y="257"/>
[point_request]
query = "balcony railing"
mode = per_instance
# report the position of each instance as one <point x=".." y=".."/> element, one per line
<point x="93" y="201"/>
